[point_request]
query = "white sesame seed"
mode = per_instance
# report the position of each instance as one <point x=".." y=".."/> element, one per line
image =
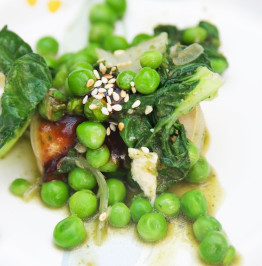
<point x="108" y="86"/>
<point x="126" y="98"/>
<point x="113" y="69"/>
<point x="121" y="126"/>
<point x="99" y="96"/>
<point x="152" y="130"/>
<point x="136" y="104"/>
<point x="109" y="107"/>
<point x="123" y="94"/>
<point x="113" y="127"/>
<point x="119" y="52"/>
<point x="101" y="90"/>
<point x="90" y="83"/>
<point x="100" y="60"/>
<point x="114" y="123"/>
<point x="108" y="131"/>
<point x="96" y="74"/>
<point x="93" y="106"/>
<point x="102" y="68"/>
<point x="145" y="149"/>
<point x="102" y="217"/>
<point x="85" y="99"/>
<point x="132" y="84"/>
<point x="94" y="92"/>
<point x="98" y="83"/>
<point x="104" y="80"/>
<point x="117" y="107"/>
<point x="116" y="96"/>
<point x="104" y="111"/>
<point x="109" y="65"/>
<point x="148" y="109"/>
<point x="130" y="111"/>
<point x="133" y="89"/>
<point x="112" y="80"/>
<point x="108" y="76"/>
<point x="108" y="99"/>
<point x="110" y="91"/>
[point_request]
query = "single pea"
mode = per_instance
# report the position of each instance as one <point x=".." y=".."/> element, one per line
<point x="99" y="31"/>
<point x="116" y="190"/>
<point x="83" y="203"/>
<point x="48" y="113"/>
<point x="152" y="227"/>
<point x="119" y="215"/>
<point x="124" y="78"/>
<point x="199" y="172"/>
<point x="193" y="153"/>
<point x="119" y="6"/>
<point x="219" y="65"/>
<point x="79" y="179"/>
<point x="82" y="65"/>
<point x="147" y="80"/>
<point x="230" y="255"/>
<point x="69" y="232"/>
<point x="194" y="34"/>
<point x="151" y="58"/>
<point x="75" y="106"/>
<point x="54" y="193"/>
<point x="110" y="167"/>
<point x="47" y="46"/>
<point x="102" y="13"/>
<point x="51" y="62"/>
<point x="95" y="114"/>
<point x="77" y="81"/>
<point x="139" y="207"/>
<point x="80" y="57"/>
<point x="98" y="157"/>
<point x="64" y="58"/>
<point x="115" y="42"/>
<point x="213" y="248"/>
<point x="140" y="38"/>
<point x="193" y="204"/>
<point x="91" y="134"/>
<point x="89" y="56"/>
<point x="19" y="186"/>
<point x="60" y="78"/>
<point x="168" y="204"/>
<point x="204" y="225"/>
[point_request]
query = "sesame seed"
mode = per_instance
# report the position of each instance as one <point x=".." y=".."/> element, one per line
<point x="121" y="126"/>
<point x="98" y="83"/>
<point x="136" y="104"/>
<point x="94" y="92"/>
<point x="148" y="109"/>
<point x="123" y="94"/>
<point x="101" y="90"/>
<point x="109" y="107"/>
<point x="126" y="98"/>
<point x="132" y="84"/>
<point x="114" y="123"/>
<point x="133" y="89"/>
<point x="130" y="111"/>
<point x="108" y="99"/>
<point x="108" y="76"/>
<point x="119" y="52"/>
<point x="96" y="74"/>
<point x="110" y="91"/>
<point x="109" y="65"/>
<point x="108" y="131"/>
<point x="116" y="96"/>
<point x="100" y="60"/>
<point x="104" y="111"/>
<point x="152" y="130"/>
<point x="117" y="107"/>
<point x="93" y="106"/>
<point x="111" y="81"/>
<point x="90" y="83"/>
<point x="113" y="69"/>
<point x="102" y="68"/>
<point x="85" y="99"/>
<point x="124" y="64"/>
<point x="108" y="86"/>
<point x="104" y="80"/>
<point x="99" y="96"/>
<point x="113" y="127"/>
<point x="145" y="149"/>
<point x="102" y="217"/>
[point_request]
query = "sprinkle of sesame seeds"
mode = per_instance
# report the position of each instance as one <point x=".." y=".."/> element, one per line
<point x="121" y="126"/>
<point x="93" y="106"/>
<point x="117" y="107"/>
<point x="104" y="111"/>
<point x="116" y="96"/>
<point x="102" y="217"/>
<point x="110" y="91"/>
<point x="123" y="94"/>
<point x="108" y="86"/>
<point x="126" y="98"/>
<point x="112" y="80"/>
<point x="132" y="84"/>
<point x="148" y="109"/>
<point x="109" y="107"/>
<point x="98" y="83"/>
<point x="136" y="104"/>
<point x="112" y="127"/>
<point x="108" y="99"/>
<point x="152" y="130"/>
<point x="108" y="131"/>
<point x="94" y="92"/>
<point x="90" y="83"/>
<point x="102" y="68"/>
<point x="145" y="149"/>
<point x="130" y="111"/>
<point x="104" y="80"/>
<point x="100" y="60"/>
<point x="108" y="76"/>
<point x="119" y="52"/>
<point x="133" y="89"/>
<point x="96" y="74"/>
<point x="85" y="99"/>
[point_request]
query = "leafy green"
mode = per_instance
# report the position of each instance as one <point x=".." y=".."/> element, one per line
<point x="27" y="83"/>
<point x="11" y="48"/>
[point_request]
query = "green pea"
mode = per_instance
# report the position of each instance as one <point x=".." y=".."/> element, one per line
<point x="53" y="115"/>
<point x="230" y="255"/>
<point x="213" y="248"/>
<point x="152" y="227"/>
<point x="80" y="179"/>
<point x="99" y="31"/>
<point x="124" y="78"/>
<point x="194" y="34"/>
<point x="168" y="204"/>
<point x="204" y="225"/>
<point x="102" y="13"/>
<point x="82" y="65"/>
<point x="54" y="193"/>
<point x="115" y="42"/>
<point x="47" y="46"/>
<point x="139" y="207"/>
<point x="60" y="78"/>
<point x="91" y="134"/>
<point x="98" y="157"/>
<point x="69" y="232"/>
<point x="83" y="203"/>
<point x="75" y="106"/>
<point x="151" y="58"/>
<point x="194" y="204"/>
<point x="119" y="215"/>
<point x="193" y="153"/>
<point x="96" y="114"/>
<point x="19" y="186"/>
<point x="140" y="38"/>
<point x="110" y="167"/>
<point x="199" y="172"/>
<point x="219" y="65"/>
<point x="116" y="190"/>
<point x="147" y="80"/>
<point x="64" y="58"/>
<point x="79" y="58"/>
<point x="51" y="62"/>
<point x="77" y="81"/>
<point x="119" y="6"/>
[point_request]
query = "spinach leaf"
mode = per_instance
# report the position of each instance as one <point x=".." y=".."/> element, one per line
<point x="11" y="48"/>
<point x="27" y="82"/>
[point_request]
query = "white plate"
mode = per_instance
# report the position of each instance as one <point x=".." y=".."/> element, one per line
<point x="233" y="120"/>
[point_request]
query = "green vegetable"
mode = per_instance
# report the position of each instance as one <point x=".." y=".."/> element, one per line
<point x="119" y="6"/>
<point x="110" y="167"/>
<point x="152" y="227"/>
<point x="47" y="46"/>
<point x="91" y="134"/>
<point x="193" y="204"/>
<point x="54" y="193"/>
<point x="219" y="65"/>
<point x="102" y="13"/>
<point x="230" y="255"/>
<point x="199" y="172"/>
<point x="19" y="186"/>
<point x="124" y="78"/>
<point x="194" y="34"/>
<point x="119" y="215"/>
<point x="99" y="31"/>
<point x="147" y="80"/>
<point x="64" y="58"/>
<point x="79" y="179"/>
<point x="83" y="204"/>
<point x="115" y="42"/>
<point x="95" y="114"/>
<point x="204" y="225"/>
<point x="116" y="190"/>
<point x="51" y="62"/>
<point x="98" y="157"/>
<point x="82" y="65"/>
<point x="75" y="106"/>
<point x="140" y="38"/>
<point x="139" y="207"/>
<point x="168" y="204"/>
<point x="213" y="248"/>
<point x="60" y="78"/>
<point x="193" y="153"/>
<point x="151" y="58"/>
<point x="69" y="232"/>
